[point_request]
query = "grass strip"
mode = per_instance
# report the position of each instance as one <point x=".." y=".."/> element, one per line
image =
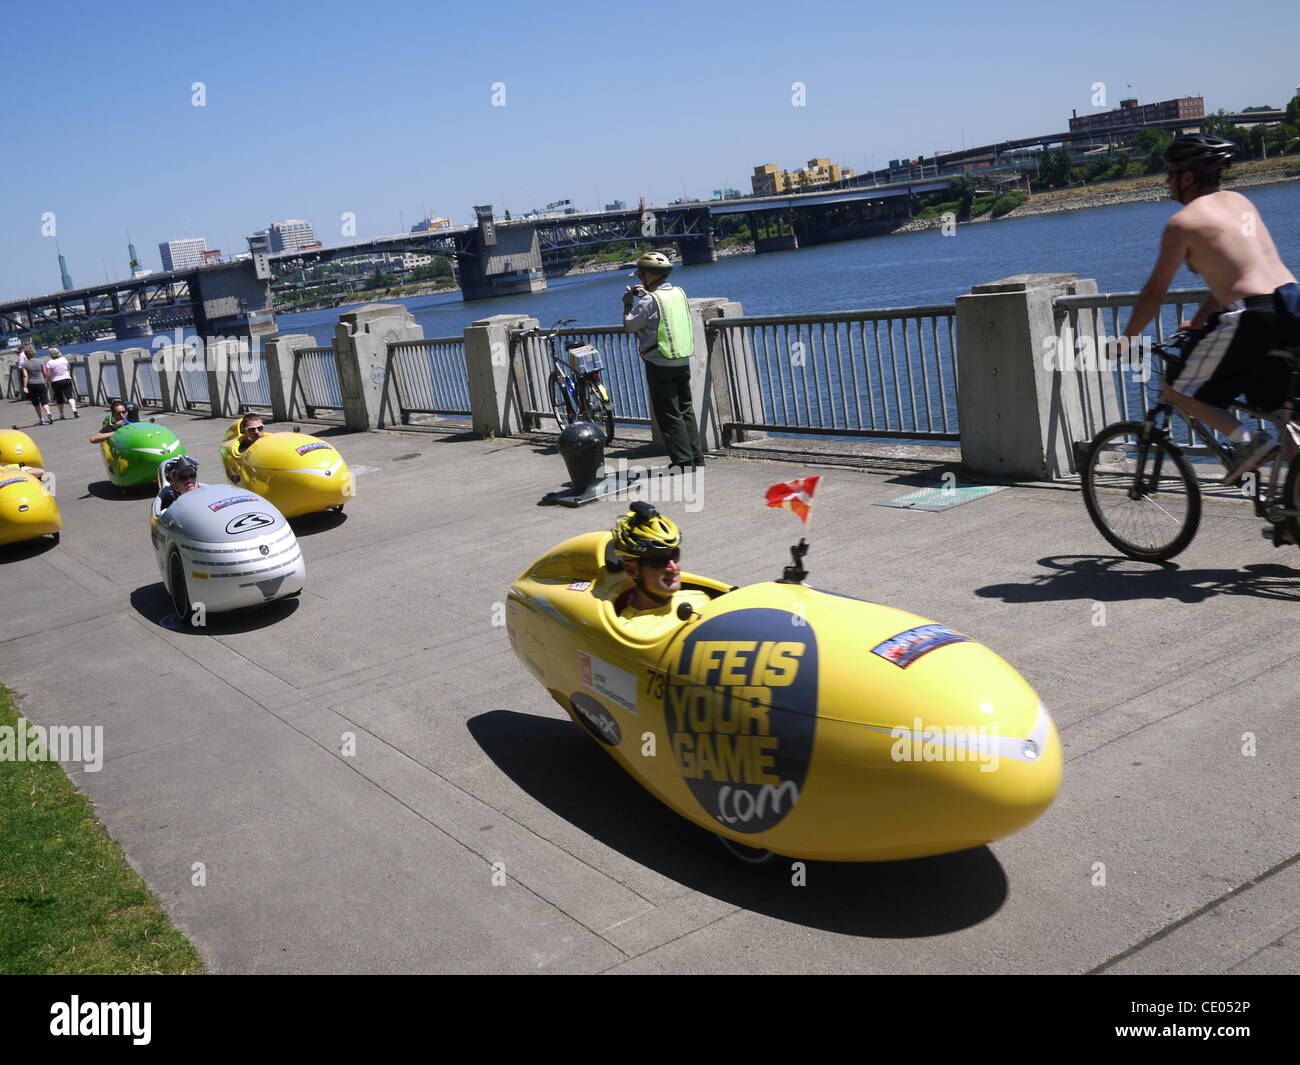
<point x="69" y="902"/>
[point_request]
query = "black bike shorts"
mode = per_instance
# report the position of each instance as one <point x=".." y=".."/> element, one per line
<point x="1229" y="356"/>
<point x="37" y="393"/>
<point x="62" y="390"/>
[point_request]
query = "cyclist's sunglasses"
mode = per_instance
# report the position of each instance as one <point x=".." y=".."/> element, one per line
<point x="659" y="561"/>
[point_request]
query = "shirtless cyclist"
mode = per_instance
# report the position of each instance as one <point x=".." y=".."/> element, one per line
<point x="1253" y="305"/>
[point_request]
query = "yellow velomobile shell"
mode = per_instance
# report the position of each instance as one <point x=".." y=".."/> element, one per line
<point x="18" y="448"/>
<point x="300" y="474"/>
<point x="810" y="724"/>
<point x="27" y="510"/>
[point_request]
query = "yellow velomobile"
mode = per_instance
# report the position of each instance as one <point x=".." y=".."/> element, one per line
<point x="19" y="449"/>
<point x="300" y="474"/>
<point x="27" y="509"/>
<point x="789" y="720"/>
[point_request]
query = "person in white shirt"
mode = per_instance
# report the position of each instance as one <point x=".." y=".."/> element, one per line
<point x="59" y="374"/>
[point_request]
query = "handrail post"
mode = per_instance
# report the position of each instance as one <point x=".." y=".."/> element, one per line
<point x="361" y="342"/>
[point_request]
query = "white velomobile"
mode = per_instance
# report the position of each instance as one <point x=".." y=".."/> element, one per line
<point x="225" y="548"/>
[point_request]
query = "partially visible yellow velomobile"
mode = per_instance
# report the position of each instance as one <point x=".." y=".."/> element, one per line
<point x="300" y="474"/>
<point x="27" y="508"/>
<point x="19" y="449"/>
<point x="789" y="720"/>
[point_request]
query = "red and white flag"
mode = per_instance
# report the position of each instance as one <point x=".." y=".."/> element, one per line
<point x="794" y="495"/>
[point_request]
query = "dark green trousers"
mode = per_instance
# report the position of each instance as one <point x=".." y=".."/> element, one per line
<point x="670" y="398"/>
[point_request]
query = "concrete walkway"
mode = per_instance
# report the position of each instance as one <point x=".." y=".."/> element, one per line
<point x="223" y="748"/>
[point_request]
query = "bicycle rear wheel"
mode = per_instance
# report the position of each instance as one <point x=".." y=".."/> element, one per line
<point x="560" y="402"/>
<point x="1291" y="498"/>
<point x="1141" y="493"/>
<point x="597" y="410"/>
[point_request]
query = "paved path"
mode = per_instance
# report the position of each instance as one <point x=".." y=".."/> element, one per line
<point x="223" y="748"/>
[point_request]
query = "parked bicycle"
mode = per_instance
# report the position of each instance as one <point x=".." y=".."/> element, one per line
<point x="575" y="389"/>
<point x="1142" y="492"/>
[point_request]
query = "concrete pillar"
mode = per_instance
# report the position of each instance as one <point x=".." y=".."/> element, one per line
<point x="280" y="354"/>
<point x="1015" y="416"/>
<point x="361" y="342"/>
<point x="708" y="373"/>
<point x="8" y="363"/>
<point x="738" y="400"/>
<point x="695" y="250"/>
<point x="126" y="370"/>
<point x="496" y="374"/>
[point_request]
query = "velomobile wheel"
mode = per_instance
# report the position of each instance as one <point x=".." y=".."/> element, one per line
<point x="179" y="592"/>
<point x="748" y="855"/>
<point x="55" y="537"/>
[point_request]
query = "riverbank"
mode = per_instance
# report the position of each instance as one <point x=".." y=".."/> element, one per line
<point x="1147" y="189"/>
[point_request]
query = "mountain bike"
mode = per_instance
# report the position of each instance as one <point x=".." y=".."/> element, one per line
<point x="1142" y="492"/>
<point x="575" y="389"/>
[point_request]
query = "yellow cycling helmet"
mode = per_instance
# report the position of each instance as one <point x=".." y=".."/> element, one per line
<point x="655" y="260"/>
<point x="644" y="531"/>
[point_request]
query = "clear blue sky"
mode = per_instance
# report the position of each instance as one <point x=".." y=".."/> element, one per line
<point x="385" y="108"/>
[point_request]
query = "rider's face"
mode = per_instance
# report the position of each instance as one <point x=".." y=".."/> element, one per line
<point x="662" y="576"/>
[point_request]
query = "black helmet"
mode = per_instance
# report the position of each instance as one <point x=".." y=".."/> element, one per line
<point x="182" y="462"/>
<point x="1200" y="152"/>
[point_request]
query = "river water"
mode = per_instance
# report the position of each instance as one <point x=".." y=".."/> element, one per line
<point x="1115" y="245"/>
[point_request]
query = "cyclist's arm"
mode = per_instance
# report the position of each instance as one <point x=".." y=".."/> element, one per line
<point x="1174" y="246"/>
<point x="637" y="317"/>
<point x="1208" y="306"/>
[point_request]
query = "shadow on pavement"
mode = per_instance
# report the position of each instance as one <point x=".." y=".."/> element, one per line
<point x="108" y="490"/>
<point x="26" y="549"/>
<point x="154" y="604"/>
<point x="1110" y="579"/>
<point x="560" y="767"/>
<point x="311" y="524"/>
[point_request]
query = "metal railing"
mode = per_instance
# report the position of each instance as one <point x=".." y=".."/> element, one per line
<point x="147" y="389"/>
<point x="253" y="388"/>
<point x="315" y="383"/>
<point x="623" y="375"/>
<point x="81" y="380"/>
<point x="872" y="373"/>
<point x="1113" y="388"/>
<point x="431" y="377"/>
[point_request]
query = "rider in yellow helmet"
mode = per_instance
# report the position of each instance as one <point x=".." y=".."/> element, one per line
<point x="650" y="548"/>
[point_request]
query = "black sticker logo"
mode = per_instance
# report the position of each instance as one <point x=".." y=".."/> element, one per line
<point x="248" y="522"/>
<point x="741" y="709"/>
<point x="599" y="720"/>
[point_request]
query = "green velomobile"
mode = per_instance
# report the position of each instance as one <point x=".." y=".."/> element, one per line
<point x="133" y="454"/>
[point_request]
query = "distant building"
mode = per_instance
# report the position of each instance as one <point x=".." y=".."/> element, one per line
<point x="212" y="257"/>
<point x="1131" y="113"/>
<point x="768" y="180"/>
<point x="259" y="242"/>
<point x="431" y="223"/>
<point x="184" y="254"/>
<point x="617" y="205"/>
<point x="292" y="235"/>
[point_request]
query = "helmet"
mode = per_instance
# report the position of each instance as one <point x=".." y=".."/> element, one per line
<point x="644" y="531"/>
<point x="1200" y="152"/>
<point x="182" y="462"/>
<point x="654" y="260"/>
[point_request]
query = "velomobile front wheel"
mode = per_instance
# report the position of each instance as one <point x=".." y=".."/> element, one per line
<point x="1141" y="492"/>
<point x="180" y="594"/>
<point x="748" y="855"/>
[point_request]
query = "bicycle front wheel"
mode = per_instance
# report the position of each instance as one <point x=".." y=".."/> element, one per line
<point x="1141" y="493"/>
<point x="560" y="403"/>
<point x="597" y="410"/>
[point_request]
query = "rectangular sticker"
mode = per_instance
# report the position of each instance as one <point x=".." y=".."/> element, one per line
<point x="222" y="503"/>
<point x="13" y="480"/>
<point x="580" y="586"/>
<point x="617" y="685"/>
<point x="304" y="448"/>
<point x="907" y="647"/>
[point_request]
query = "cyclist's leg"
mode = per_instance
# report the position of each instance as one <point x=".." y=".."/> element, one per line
<point x="686" y="404"/>
<point x="665" y="397"/>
